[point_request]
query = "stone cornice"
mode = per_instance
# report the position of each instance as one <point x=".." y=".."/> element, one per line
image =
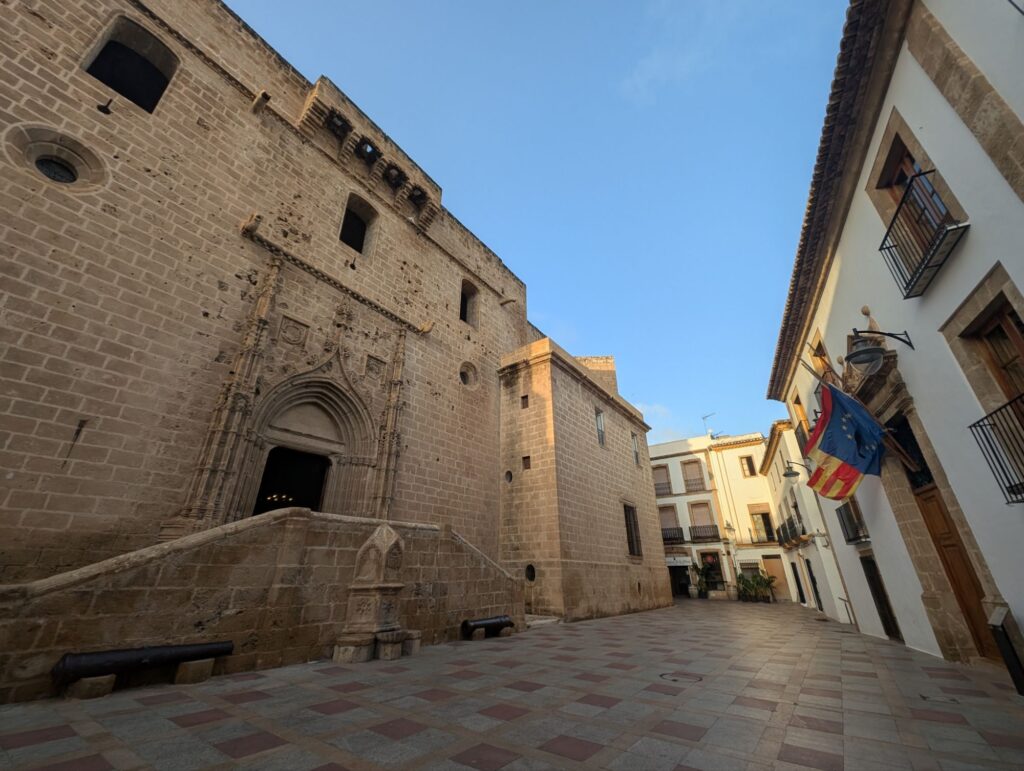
<point x="547" y="350"/>
<point x="249" y="230"/>
<point x="774" y="437"/>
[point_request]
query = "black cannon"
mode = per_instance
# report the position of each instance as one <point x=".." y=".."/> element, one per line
<point x="75" y="666"/>
<point x="492" y="626"/>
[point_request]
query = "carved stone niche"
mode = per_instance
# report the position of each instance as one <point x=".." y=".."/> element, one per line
<point x="372" y="625"/>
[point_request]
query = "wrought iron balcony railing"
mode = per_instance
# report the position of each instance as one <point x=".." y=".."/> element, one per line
<point x="704" y="533"/>
<point x="695" y="485"/>
<point x="1000" y="434"/>
<point x="673" y="535"/>
<point x="920" y="237"/>
<point x="662" y="488"/>
<point x="790" y="531"/>
<point x="761" y="536"/>
<point x="854" y="529"/>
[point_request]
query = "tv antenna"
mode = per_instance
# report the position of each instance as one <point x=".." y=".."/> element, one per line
<point x="704" y="420"/>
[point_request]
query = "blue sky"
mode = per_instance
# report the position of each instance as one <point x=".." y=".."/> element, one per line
<point x="643" y="167"/>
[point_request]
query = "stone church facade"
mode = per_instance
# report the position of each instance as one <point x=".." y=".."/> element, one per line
<point x="227" y="292"/>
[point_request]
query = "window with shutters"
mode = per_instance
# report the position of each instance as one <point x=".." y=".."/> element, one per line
<point x="747" y="466"/>
<point x="662" y="481"/>
<point x="702" y="523"/>
<point x="700" y="514"/>
<point x="693" y="476"/>
<point x="1002" y="338"/>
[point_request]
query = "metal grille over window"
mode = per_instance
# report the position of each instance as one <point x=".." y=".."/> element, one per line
<point x="852" y="522"/>
<point x="1000" y="435"/>
<point x="632" y="531"/>
<point x="920" y="237"/>
<point x="599" y="421"/>
<point x="662" y="482"/>
<point x="693" y="475"/>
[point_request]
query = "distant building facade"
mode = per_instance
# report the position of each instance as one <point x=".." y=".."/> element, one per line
<point x="718" y="508"/>
<point x="228" y="293"/>
<point x="914" y="225"/>
<point x="801" y="530"/>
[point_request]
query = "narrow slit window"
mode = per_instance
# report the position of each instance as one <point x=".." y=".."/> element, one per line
<point x="599" y="422"/>
<point x="524" y="401"/>
<point x="467" y="303"/>
<point x="632" y="531"/>
<point x="526" y="462"/>
<point x="636" y="449"/>
<point x="134" y="63"/>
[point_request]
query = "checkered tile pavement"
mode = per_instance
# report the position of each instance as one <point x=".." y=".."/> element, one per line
<point x="702" y="685"/>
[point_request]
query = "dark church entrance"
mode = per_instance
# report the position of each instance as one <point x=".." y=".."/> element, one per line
<point x="291" y="478"/>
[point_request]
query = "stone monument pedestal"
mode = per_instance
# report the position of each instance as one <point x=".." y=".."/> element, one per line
<point x="372" y="626"/>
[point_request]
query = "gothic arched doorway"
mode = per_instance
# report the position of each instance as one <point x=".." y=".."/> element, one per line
<point x="292" y="478"/>
<point x="312" y="446"/>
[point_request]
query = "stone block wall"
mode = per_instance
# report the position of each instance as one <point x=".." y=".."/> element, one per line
<point x="129" y="296"/>
<point x="530" y="532"/>
<point x="276" y="585"/>
<point x="564" y="515"/>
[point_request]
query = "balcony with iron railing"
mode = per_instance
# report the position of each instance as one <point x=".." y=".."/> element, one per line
<point x="704" y="533"/>
<point x="920" y="237"/>
<point x="661" y="489"/>
<point x="1000" y="435"/>
<point x="761" y="536"/>
<point x="852" y="524"/>
<point x="789" y="531"/>
<point x="673" y="535"/>
<point x="695" y="485"/>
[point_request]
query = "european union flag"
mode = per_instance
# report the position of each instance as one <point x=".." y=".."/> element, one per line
<point x="846" y="445"/>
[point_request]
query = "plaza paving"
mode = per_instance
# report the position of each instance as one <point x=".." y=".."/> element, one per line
<point x="707" y="685"/>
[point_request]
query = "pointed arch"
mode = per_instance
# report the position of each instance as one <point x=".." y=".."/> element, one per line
<point x="315" y="412"/>
<point x="347" y="418"/>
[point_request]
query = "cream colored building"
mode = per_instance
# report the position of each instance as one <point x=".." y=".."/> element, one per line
<point x="801" y="531"/>
<point x="716" y="507"/>
<point x="915" y="224"/>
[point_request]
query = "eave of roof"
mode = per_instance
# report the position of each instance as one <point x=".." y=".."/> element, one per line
<point x="867" y="53"/>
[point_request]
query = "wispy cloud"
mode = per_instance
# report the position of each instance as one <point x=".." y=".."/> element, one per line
<point x="664" y="426"/>
<point x="686" y="37"/>
<point x="659" y="67"/>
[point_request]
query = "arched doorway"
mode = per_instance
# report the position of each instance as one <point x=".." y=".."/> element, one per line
<point x="312" y="446"/>
<point x="292" y="478"/>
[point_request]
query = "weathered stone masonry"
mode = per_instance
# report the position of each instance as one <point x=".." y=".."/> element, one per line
<point x="186" y="306"/>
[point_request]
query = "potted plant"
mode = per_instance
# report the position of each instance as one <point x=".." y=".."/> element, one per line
<point x="702" y="581"/>
<point x="743" y="588"/>
<point x="769" y="591"/>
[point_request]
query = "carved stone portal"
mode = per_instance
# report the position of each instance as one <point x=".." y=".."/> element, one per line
<point x="372" y="625"/>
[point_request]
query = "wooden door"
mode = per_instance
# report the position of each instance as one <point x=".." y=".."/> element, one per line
<point x="959" y="571"/>
<point x="773" y="567"/>
<point x="881" y="598"/>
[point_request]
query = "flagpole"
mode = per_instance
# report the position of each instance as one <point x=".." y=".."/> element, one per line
<point x="817" y="375"/>
<point x="887" y="440"/>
